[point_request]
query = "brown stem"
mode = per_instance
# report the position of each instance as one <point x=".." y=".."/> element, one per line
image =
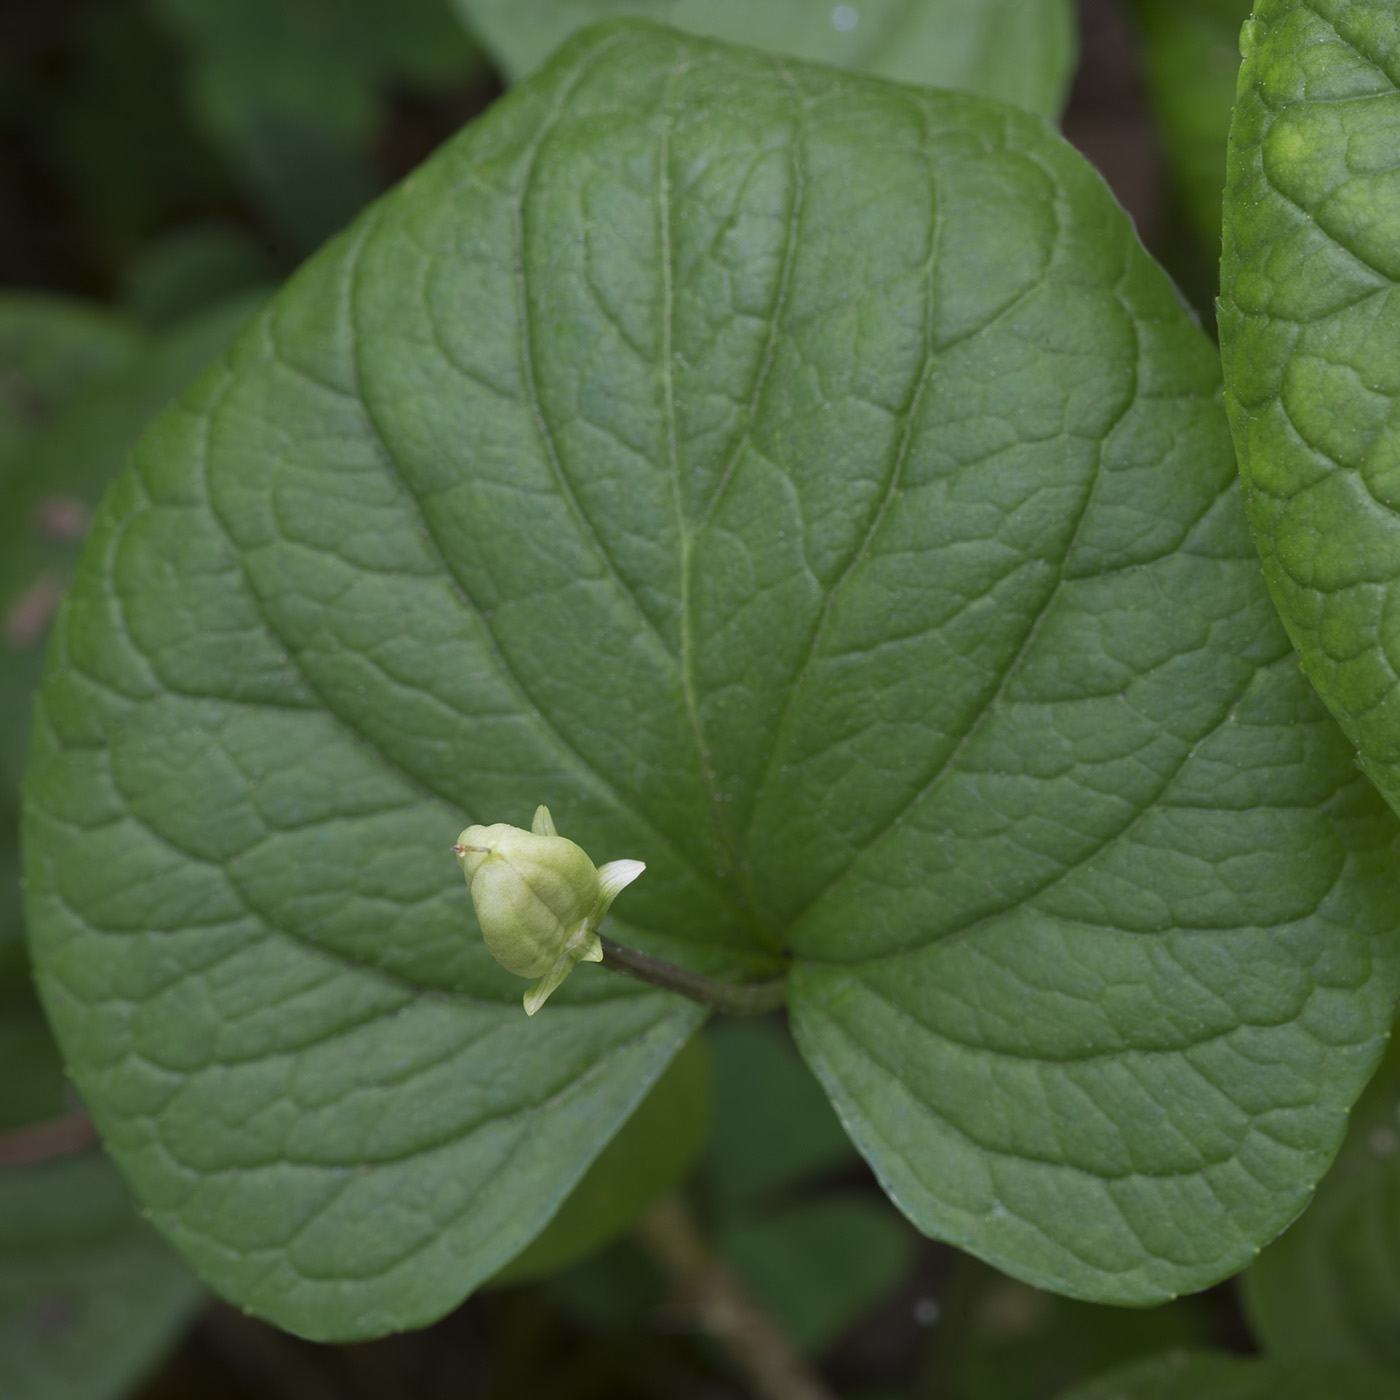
<point x="709" y="1294"/>
<point x="738" y="999"/>
<point x="41" y="1142"/>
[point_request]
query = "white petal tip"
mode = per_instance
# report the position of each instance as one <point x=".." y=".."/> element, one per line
<point x="616" y="875"/>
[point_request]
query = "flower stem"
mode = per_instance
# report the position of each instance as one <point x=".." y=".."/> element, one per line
<point x="746" y="999"/>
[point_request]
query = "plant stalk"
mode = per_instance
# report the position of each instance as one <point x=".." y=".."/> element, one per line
<point x="745" y="999"/>
<point x="711" y="1297"/>
<point x="42" y="1142"/>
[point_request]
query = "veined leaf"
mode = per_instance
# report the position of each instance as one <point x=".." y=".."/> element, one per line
<point x="1020" y="51"/>
<point x="800" y="483"/>
<point x="651" y="1154"/>
<point x="88" y="383"/>
<point x="1309" y="330"/>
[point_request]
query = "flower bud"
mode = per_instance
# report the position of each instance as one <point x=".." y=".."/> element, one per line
<point x="539" y="899"/>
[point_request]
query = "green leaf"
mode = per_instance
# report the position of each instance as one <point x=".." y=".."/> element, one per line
<point x="1309" y="322"/>
<point x="190" y="269"/>
<point x="652" y="1153"/>
<point x="818" y="1266"/>
<point x="50" y="348"/>
<point x="1192" y="56"/>
<point x="90" y="1298"/>
<point x="807" y="486"/>
<point x="1203" y="1376"/>
<point x="82" y="383"/>
<point x="1021" y="1341"/>
<point x="1020" y="51"/>
<point x="1329" y="1288"/>
<point x="774" y="1128"/>
<point x="32" y="1086"/>
<point x="295" y="91"/>
<point x="53" y="485"/>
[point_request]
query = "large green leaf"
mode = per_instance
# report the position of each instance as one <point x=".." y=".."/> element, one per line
<point x="1309" y="326"/>
<point x="1020" y="51"/>
<point x="1207" y="1376"/>
<point x="805" y="485"/>
<point x="1330" y="1287"/>
<point x="1192" y="57"/>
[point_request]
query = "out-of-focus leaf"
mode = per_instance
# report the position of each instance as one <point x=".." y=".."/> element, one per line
<point x="191" y="268"/>
<point x="1207" y="1376"/>
<point x="51" y="348"/>
<point x="1329" y="1288"/>
<point x="1008" y="1339"/>
<point x="1021" y="51"/>
<point x="819" y="1265"/>
<point x="114" y="127"/>
<point x="1192" y="53"/>
<point x="652" y="1152"/>
<point x="32" y="1082"/>
<point x="90" y="1298"/>
<point x="774" y="1127"/>
<point x="611" y="1290"/>
<point x="294" y="91"/>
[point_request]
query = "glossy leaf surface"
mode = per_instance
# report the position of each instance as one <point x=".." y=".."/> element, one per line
<point x="807" y="486"/>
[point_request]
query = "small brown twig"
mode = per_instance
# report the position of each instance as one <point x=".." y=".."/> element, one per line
<point x="41" y="1142"/>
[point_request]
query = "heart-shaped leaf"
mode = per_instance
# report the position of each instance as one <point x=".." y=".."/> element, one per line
<point x="1208" y="1376"/>
<point x="800" y="483"/>
<point x="1020" y="51"/>
<point x="1309" y="325"/>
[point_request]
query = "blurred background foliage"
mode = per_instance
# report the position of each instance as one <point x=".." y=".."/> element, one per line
<point x="164" y="164"/>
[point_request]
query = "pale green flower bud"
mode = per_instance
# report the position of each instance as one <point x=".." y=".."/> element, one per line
<point x="539" y="899"/>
